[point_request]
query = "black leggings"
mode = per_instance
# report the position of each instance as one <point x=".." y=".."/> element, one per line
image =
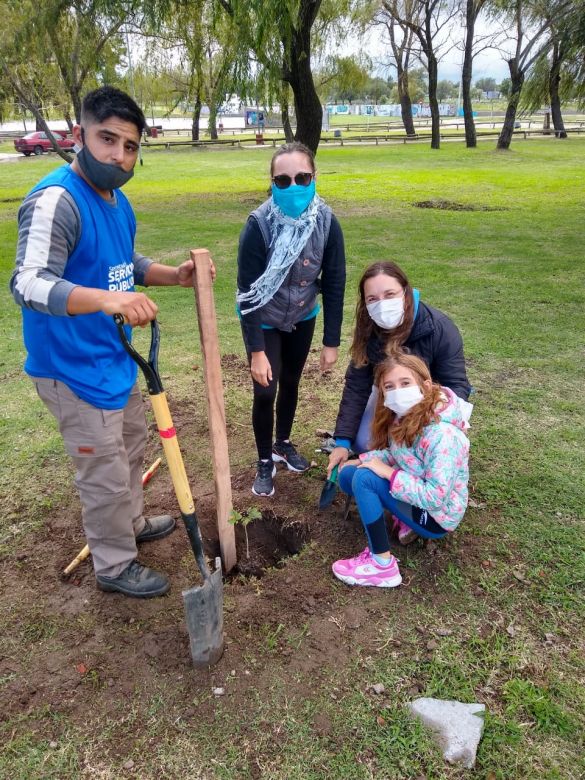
<point x="287" y="354"/>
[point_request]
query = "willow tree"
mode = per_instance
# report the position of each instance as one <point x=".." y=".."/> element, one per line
<point x="344" y="78"/>
<point x="207" y="44"/>
<point x="281" y="37"/>
<point x="551" y="78"/>
<point x="27" y="68"/>
<point x="530" y="38"/>
<point x="83" y="36"/>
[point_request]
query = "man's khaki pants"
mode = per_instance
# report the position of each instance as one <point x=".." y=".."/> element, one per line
<point x="107" y="448"/>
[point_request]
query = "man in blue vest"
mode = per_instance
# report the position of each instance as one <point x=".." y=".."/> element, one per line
<point x="75" y="267"/>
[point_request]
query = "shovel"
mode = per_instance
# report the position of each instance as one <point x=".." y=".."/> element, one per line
<point x="329" y="489"/>
<point x="204" y="604"/>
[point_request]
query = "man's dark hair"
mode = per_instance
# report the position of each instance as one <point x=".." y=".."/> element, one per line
<point x="105" y="102"/>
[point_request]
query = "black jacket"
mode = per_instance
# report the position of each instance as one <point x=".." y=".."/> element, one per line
<point x="434" y="338"/>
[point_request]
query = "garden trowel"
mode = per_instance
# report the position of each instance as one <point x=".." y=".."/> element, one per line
<point x="329" y="490"/>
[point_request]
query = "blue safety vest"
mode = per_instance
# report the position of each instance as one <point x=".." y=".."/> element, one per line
<point x="84" y="351"/>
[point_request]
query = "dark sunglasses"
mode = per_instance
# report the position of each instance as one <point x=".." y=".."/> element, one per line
<point x="283" y="180"/>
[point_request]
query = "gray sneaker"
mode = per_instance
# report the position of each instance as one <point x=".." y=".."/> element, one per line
<point x="136" y="581"/>
<point x="263" y="482"/>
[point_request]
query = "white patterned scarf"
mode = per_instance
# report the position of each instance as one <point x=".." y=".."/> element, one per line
<point x="289" y="237"/>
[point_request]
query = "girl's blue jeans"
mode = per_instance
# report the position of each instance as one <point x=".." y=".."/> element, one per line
<point x="372" y="495"/>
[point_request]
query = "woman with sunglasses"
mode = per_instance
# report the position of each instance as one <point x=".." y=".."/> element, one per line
<point x="291" y="249"/>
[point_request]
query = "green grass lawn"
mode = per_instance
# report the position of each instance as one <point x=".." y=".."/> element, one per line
<point x="512" y="276"/>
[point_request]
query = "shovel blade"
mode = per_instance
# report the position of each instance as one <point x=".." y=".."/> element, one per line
<point x="204" y="616"/>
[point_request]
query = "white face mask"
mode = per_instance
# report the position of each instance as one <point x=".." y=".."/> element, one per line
<point x="402" y="400"/>
<point x="388" y="313"/>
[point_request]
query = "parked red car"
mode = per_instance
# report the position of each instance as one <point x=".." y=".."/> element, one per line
<point x="37" y="143"/>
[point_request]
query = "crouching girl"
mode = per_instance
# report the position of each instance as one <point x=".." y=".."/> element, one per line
<point x="418" y="469"/>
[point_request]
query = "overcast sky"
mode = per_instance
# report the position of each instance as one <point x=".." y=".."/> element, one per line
<point x="489" y="62"/>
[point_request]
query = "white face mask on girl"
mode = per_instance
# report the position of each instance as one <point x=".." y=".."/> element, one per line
<point x="402" y="400"/>
<point x="388" y="313"/>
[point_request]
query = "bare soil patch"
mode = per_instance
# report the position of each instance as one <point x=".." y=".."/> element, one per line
<point x="451" y="205"/>
<point x="70" y="648"/>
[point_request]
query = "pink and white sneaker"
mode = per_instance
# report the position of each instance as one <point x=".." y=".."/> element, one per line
<point x="405" y="533"/>
<point x="363" y="570"/>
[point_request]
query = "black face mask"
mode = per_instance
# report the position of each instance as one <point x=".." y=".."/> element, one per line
<point x="104" y="176"/>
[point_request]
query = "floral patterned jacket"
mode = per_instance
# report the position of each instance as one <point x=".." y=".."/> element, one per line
<point x="433" y="473"/>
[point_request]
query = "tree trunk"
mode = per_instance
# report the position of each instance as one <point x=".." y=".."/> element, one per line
<point x="68" y="120"/>
<point x="555" y="100"/>
<point x="517" y="79"/>
<point x="433" y="102"/>
<point x="288" y="133"/>
<point x="405" y="101"/>
<point x="23" y="112"/>
<point x="75" y="92"/>
<point x="37" y="113"/>
<point x="196" y="117"/>
<point x="308" y="109"/>
<point x="285" y="116"/>
<point x="466" y="75"/>
<point x="212" y="122"/>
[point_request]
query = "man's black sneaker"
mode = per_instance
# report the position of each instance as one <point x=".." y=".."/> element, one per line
<point x="285" y="451"/>
<point x="156" y="528"/>
<point x="263" y="484"/>
<point x="137" y="581"/>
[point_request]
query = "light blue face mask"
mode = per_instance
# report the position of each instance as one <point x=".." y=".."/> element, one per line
<point x="293" y="200"/>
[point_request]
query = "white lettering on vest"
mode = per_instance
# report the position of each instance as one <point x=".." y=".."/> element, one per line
<point x="121" y="277"/>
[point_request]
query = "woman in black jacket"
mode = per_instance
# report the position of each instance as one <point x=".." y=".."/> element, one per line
<point x="291" y="250"/>
<point x="390" y="316"/>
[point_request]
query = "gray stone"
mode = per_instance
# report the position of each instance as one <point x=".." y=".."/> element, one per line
<point x="457" y="727"/>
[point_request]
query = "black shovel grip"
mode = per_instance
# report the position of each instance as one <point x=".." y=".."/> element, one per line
<point x="148" y="367"/>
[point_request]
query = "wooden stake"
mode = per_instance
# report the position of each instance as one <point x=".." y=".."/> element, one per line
<point x="215" y="404"/>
